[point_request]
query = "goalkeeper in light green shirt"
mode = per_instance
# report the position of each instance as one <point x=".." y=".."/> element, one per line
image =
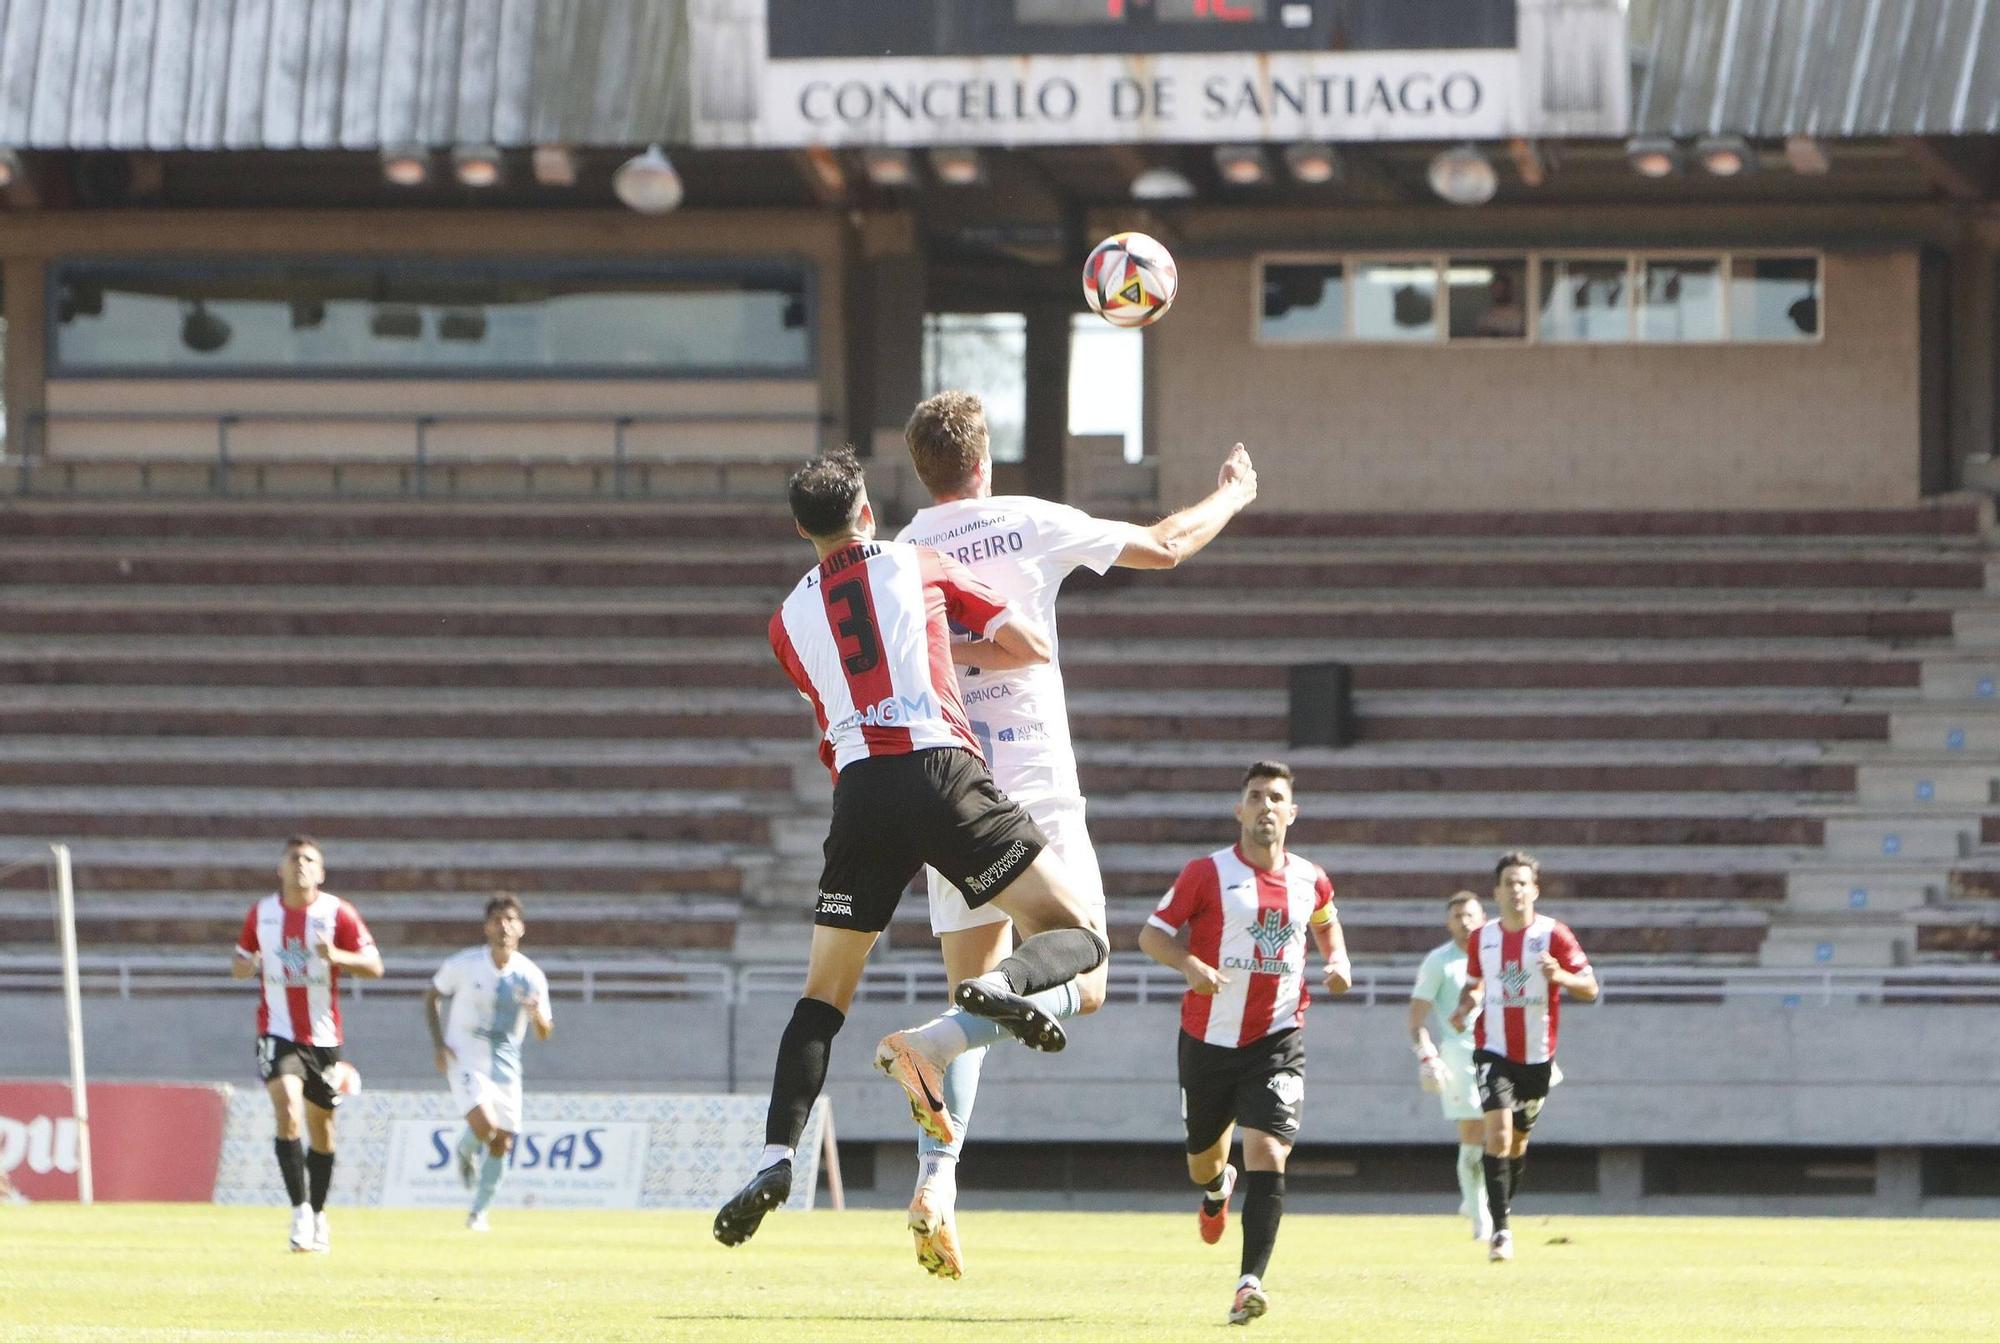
<point x="1444" y="1066"/>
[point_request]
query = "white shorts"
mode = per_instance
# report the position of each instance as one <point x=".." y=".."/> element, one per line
<point x="1459" y="1097"/>
<point x="1061" y="819"/>
<point x="471" y="1088"/>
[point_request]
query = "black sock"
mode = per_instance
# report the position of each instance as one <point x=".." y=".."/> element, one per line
<point x="1515" y="1165"/>
<point x="1496" y="1189"/>
<point x="1213" y="1203"/>
<point x="801" y="1071"/>
<point x="292" y="1165"/>
<point x="319" y="1173"/>
<point x="1055" y="957"/>
<point x="1263" y="1205"/>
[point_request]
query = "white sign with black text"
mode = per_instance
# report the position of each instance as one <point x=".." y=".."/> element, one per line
<point x="554" y="1164"/>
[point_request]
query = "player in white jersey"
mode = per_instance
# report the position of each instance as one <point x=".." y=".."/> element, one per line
<point x="494" y="994"/>
<point x="298" y="941"/>
<point x="1445" y="1067"/>
<point x="1516" y="970"/>
<point x="1023" y="548"/>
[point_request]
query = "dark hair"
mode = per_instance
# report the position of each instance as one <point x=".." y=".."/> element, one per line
<point x="303" y="841"/>
<point x="1266" y="769"/>
<point x="1517" y="858"/>
<point x="1462" y="898"/>
<point x="824" y="492"/>
<point x="503" y="901"/>
<point x="948" y="439"/>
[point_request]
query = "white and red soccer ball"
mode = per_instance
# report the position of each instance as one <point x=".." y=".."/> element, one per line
<point x="1130" y="280"/>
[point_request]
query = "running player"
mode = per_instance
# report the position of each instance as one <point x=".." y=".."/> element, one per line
<point x="1515" y="972"/>
<point x="494" y="992"/>
<point x="300" y="939"/>
<point x="1245" y="911"/>
<point x="1023" y="548"/>
<point x="865" y="636"/>
<point x="1446" y="1066"/>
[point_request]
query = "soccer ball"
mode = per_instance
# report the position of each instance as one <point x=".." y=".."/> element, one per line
<point x="1130" y="280"/>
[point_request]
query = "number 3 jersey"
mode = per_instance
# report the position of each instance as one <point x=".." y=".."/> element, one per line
<point x="1250" y="925"/>
<point x="866" y="637"/>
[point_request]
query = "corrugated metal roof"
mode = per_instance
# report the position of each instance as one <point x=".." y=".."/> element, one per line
<point x="353" y="74"/>
<point x="1831" y="68"/>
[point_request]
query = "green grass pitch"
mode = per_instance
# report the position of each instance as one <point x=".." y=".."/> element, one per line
<point x="137" y="1272"/>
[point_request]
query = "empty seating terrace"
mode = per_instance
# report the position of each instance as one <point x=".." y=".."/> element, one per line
<point x="1731" y="737"/>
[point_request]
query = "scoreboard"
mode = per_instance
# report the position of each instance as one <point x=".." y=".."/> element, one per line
<point x="807" y="29"/>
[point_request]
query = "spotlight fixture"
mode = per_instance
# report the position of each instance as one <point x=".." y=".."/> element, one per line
<point x="648" y="183"/>
<point x="1725" y="155"/>
<point x="555" y="166"/>
<point x="888" y="166"/>
<point x="1464" y="176"/>
<point x="477" y="166"/>
<point x="406" y="165"/>
<point x="1242" y="165"/>
<point x="202" y="331"/>
<point x="957" y="167"/>
<point x="1313" y="164"/>
<point x="1653" y="155"/>
<point x="10" y="167"/>
<point x="1807" y="156"/>
<point x="1161" y="184"/>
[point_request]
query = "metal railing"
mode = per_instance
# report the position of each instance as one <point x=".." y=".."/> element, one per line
<point x="419" y="462"/>
<point x="921" y="981"/>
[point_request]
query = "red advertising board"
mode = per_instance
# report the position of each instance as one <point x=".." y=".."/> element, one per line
<point x="148" y="1143"/>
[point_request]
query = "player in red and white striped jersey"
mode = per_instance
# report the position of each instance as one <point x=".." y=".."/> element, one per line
<point x="866" y="638"/>
<point x="1235" y="924"/>
<point x="1516" y="970"/>
<point x="300" y="939"/>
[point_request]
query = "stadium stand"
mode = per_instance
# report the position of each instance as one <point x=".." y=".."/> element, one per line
<point x="1733" y="738"/>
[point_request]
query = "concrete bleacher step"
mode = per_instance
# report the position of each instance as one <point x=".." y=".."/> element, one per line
<point x="1964" y="675"/>
<point x="1881" y="889"/>
<point x="1961" y="515"/>
<point x="1940" y="781"/>
<point x="1915" y="837"/>
<point x="1851" y="942"/>
<point x="427" y="521"/>
<point x="1972" y="728"/>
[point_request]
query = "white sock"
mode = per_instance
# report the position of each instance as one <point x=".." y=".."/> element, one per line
<point x="1248" y="1280"/>
<point x="937" y="1168"/>
<point x="942" y="1038"/>
<point x="773" y="1154"/>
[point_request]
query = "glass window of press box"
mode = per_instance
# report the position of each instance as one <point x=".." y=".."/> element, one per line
<point x="1540" y="299"/>
<point x="377" y="318"/>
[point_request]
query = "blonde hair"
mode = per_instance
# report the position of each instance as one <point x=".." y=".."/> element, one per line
<point x="948" y="440"/>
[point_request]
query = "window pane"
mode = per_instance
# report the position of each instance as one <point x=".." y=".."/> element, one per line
<point x="1489" y="299"/>
<point x="1683" y="300"/>
<point x="1304" y="301"/>
<point x="985" y="353"/>
<point x="313" y="318"/>
<point x="1773" y="298"/>
<point x="1585" y="300"/>
<point x="1395" y="300"/>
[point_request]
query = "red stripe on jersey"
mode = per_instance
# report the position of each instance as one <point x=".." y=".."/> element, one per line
<point x="1204" y="942"/>
<point x="937" y="620"/>
<point x="788" y="658"/>
<point x="849" y="598"/>
<point x="247" y="941"/>
<point x="298" y="998"/>
<point x="1261" y="996"/>
<point x="1516" y="1018"/>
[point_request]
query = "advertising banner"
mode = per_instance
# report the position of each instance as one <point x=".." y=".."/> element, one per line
<point x="156" y="1144"/>
<point x="553" y="1165"/>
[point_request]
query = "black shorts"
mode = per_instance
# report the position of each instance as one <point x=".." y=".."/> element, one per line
<point x="279" y="1057"/>
<point x="1507" y="1085"/>
<point x="1261" y="1085"/>
<point x="892" y="814"/>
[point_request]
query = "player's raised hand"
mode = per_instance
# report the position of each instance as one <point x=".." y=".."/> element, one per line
<point x="1203" y="978"/>
<point x="1237" y="471"/>
<point x="1551" y="967"/>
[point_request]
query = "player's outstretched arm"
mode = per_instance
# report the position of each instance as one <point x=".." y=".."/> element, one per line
<point x="988" y="656"/>
<point x="1171" y="952"/>
<point x="1023" y="639"/>
<point x="1181" y="535"/>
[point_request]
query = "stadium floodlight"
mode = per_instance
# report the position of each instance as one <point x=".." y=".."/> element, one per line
<point x="1161" y="184"/>
<point x="10" y="167"/>
<point x="1807" y="156"/>
<point x="555" y="166"/>
<point x="406" y="165"/>
<point x="1653" y="155"/>
<point x="1464" y="176"/>
<point x="1725" y="155"/>
<point x="957" y="166"/>
<point x="888" y="166"/>
<point x="476" y="166"/>
<point x="1313" y="164"/>
<point x="648" y="183"/>
<point x="1242" y="165"/>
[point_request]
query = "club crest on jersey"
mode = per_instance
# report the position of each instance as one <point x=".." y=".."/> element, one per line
<point x="295" y="960"/>
<point x="1514" y="981"/>
<point x="1273" y="933"/>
